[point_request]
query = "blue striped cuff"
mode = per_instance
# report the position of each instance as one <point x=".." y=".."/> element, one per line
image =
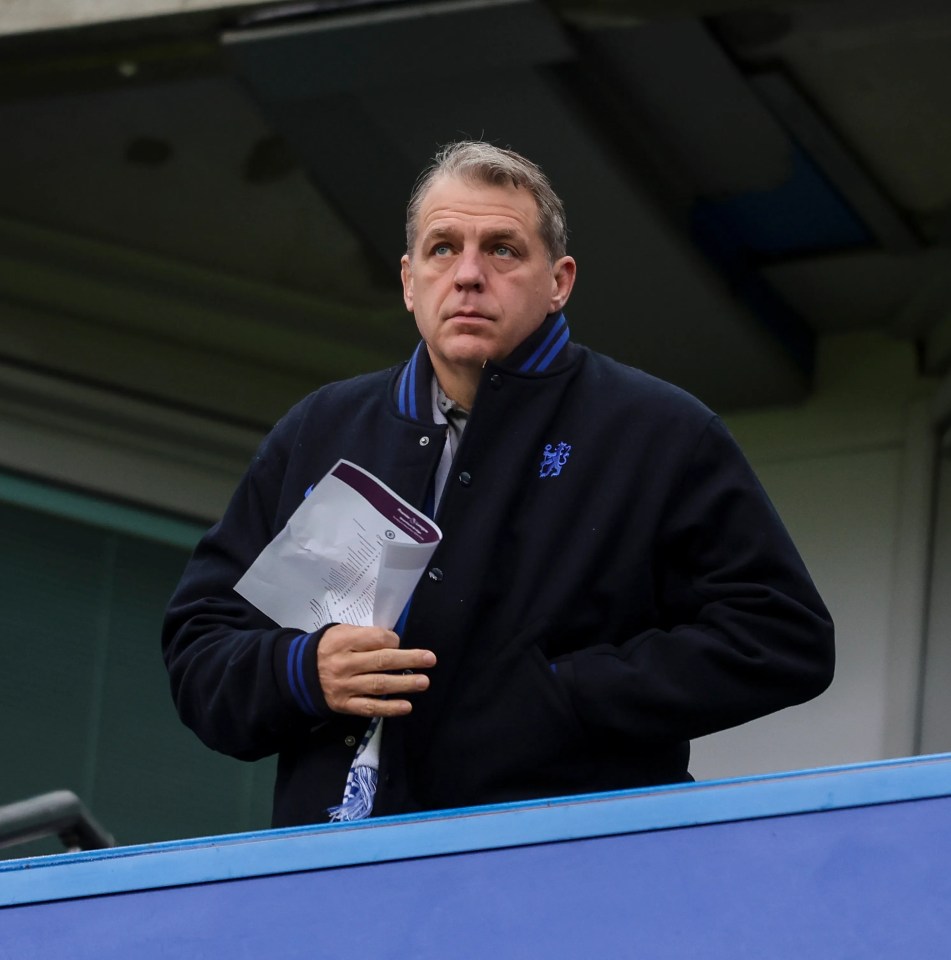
<point x="295" y="674"/>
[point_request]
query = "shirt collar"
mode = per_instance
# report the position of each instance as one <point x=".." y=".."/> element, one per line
<point x="443" y="403"/>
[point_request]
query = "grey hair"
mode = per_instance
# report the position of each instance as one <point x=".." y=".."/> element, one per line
<point x="476" y="161"/>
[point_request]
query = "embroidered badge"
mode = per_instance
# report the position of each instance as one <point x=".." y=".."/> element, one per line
<point x="553" y="459"/>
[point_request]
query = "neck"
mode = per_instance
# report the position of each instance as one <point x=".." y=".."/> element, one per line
<point x="458" y="383"/>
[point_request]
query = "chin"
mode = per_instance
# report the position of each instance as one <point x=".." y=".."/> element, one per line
<point x="474" y="352"/>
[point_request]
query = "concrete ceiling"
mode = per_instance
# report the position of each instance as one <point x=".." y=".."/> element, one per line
<point x="739" y="177"/>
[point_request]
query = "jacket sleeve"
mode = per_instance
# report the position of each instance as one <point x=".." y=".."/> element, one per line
<point x="741" y="630"/>
<point x="244" y="685"/>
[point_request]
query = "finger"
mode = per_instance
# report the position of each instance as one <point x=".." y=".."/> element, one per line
<point x="382" y="684"/>
<point x="384" y="661"/>
<point x="347" y="663"/>
<point x="371" y="707"/>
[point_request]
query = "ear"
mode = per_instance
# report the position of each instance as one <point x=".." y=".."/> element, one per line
<point x="562" y="280"/>
<point x="406" y="275"/>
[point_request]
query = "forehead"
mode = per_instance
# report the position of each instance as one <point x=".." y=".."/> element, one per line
<point x="454" y="202"/>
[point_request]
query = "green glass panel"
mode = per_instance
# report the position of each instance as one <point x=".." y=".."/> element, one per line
<point x="84" y="696"/>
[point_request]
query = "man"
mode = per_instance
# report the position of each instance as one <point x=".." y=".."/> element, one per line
<point x="612" y="581"/>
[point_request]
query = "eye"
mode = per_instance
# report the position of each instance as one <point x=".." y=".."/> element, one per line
<point x="503" y="251"/>
<point x="442" y="250"/>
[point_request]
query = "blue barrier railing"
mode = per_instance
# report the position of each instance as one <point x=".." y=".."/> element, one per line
<point x="850" y="861"/>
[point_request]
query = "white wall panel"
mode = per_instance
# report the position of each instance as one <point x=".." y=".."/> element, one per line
<point x="841" y="511"/>
<point x="936" y="704"/>
<point x="850" y="472"/>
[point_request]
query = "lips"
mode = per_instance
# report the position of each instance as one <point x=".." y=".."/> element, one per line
<point x="464" y="315"/>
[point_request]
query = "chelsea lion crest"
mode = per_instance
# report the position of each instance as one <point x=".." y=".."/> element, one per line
<point x="554" y="459"/>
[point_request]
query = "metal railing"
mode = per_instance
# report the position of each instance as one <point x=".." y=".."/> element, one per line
<point x="59" y="813"/>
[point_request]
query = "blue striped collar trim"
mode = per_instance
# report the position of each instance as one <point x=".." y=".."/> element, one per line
<point x="554" y="335"/>
<point x="413" y="389"/>
<point x="535" y="355"/>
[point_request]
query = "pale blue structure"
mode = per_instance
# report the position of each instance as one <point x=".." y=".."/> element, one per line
<point x="838" y="863"/>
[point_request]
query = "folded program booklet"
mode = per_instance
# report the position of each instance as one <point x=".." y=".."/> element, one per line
<point x="352" y="552"/>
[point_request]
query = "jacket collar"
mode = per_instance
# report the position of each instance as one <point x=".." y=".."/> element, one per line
<point x="542" y="351"/>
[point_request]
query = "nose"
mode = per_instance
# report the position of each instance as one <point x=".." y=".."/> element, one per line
<point x="470" y="273"/>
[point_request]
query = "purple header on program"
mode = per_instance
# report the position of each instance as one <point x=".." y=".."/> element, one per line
<point x="397" y="511"/>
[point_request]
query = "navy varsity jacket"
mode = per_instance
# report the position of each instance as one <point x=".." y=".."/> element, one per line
<point x="612" y="582"/>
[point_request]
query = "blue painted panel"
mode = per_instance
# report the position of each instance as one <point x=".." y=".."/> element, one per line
<point x="865" y="882"/>
<point x="845" y="863"/>
<point x="806" y="214"/>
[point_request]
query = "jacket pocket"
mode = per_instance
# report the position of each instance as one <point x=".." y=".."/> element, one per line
<point x="511" y="730"/>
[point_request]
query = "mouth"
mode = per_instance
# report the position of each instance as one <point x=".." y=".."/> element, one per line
<point x="469" y="316"/>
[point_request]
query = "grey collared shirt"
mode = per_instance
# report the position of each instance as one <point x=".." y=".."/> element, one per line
<point x="446" y="410"/>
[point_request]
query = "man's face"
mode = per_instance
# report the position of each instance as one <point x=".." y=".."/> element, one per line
<point x="479" y="279"/>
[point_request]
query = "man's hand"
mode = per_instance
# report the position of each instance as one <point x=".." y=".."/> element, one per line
<point x="358" y="667"/>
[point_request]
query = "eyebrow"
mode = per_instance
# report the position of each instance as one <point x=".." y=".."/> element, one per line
<point x="439" y="233"/>
<point x="503" y="234"/>
<point x="449" y="233"/>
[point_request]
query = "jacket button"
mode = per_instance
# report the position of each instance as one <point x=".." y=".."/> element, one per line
<point x="465" y="478"/>
<point x="435" y="574"/>
<point x="424" y="441"/>
<point x="350" y="740"/>
<point x="495" y="381"/>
